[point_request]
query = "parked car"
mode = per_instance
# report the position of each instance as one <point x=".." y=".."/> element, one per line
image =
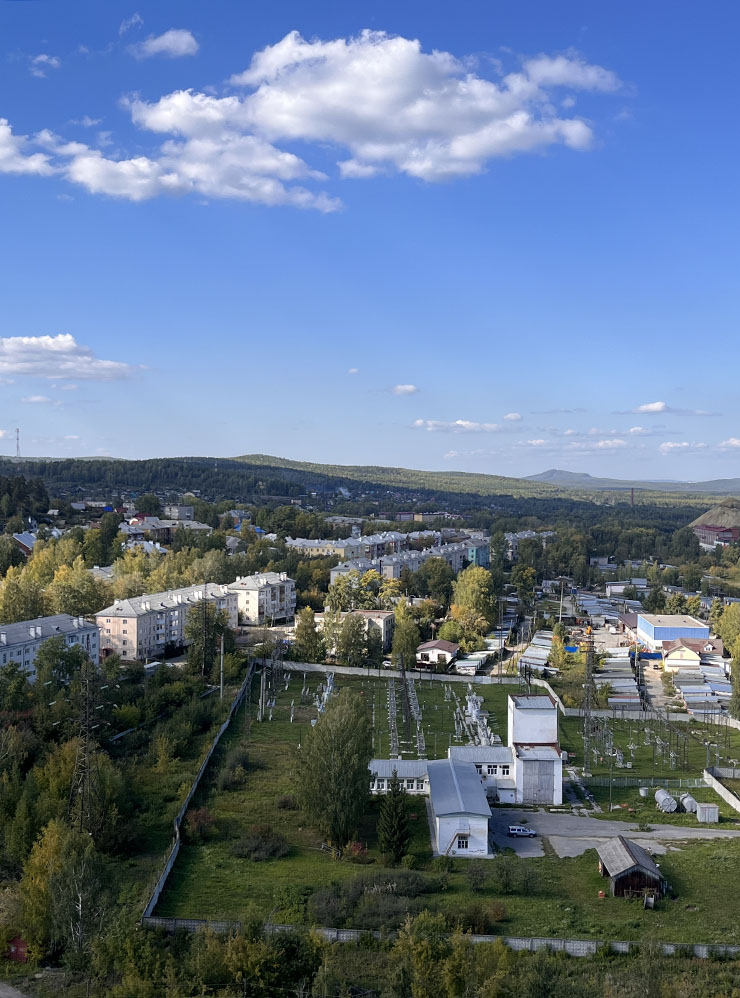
<point x="521" y="831"/>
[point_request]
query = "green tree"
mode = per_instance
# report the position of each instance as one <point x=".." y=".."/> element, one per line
<point x="676" y="603"/>
<point x="308" y="645"/>
<point x="422" y="946"/>
<point x="21" y="597"/>
<point x="393" y="821"/>
<point x="473" y="592"/>
<point x="331" y="768"/>
<point x="406" y="639"/>
<point x="524" y="578"/>
<point x="654" y="602"/>
<point x="374" y="646"/>
<point x="74" y="590"/>
<point x="204" y="626"/>
<point x="148" y="504"/>
<point x="693" y="606"/>
<point x="715" y="614"/>
<point x="729" y="626"/>
<point x="352" y="643"/>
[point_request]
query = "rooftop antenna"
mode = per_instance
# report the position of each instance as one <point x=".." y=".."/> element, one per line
<point x="17" y="442"/>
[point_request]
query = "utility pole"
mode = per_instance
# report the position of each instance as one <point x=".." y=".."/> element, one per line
<point x="222" y="667"/>
<point x="587" y="701"/>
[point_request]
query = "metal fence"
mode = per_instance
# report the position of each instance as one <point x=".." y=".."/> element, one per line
<point x="175" y="843"/>
<point x="646" y="781"/>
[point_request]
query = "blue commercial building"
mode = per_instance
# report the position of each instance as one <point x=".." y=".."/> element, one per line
<point x="654" y="629"/>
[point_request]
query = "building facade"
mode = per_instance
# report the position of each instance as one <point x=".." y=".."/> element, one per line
<point x="266" y="598"/>
<point x="20" y="642"/>
<point x="654" y="629"/>
<point x="143" y="627"/>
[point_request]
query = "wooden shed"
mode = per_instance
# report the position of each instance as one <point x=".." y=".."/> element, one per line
<point x="631" y="870"/>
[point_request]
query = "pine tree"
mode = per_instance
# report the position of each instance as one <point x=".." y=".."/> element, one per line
<point x="393" y="821"/>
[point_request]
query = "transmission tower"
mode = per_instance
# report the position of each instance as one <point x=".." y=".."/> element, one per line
<point x="17" y="442"/>
<point x="588" y="690"/>
<point x="83" y="809"/>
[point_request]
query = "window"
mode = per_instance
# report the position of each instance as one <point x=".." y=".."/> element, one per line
<point x="478" y="769"/>
<point x="125" y="643"/>
<point x="409" y="784"/>
<point x="107" y="630"/>
<point x="381" y="784"/>
<point x="504" y="770"/>
<point x="462" y="842"/>
<point x="125" y="622"/>
<point x="124" y="631"/>
<point x="492" y="770"/>
<point x="372" y="784"/>
<point x="419" y="784"/>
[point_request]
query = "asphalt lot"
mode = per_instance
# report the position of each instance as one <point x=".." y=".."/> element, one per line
<point x="572" y="835"/>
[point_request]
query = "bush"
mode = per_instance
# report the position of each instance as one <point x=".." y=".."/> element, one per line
<point x="199" y="824"/>
<point x="442" y="864"/>
<point x="476" y="876"/>
<point x="261" y="843"/>
<point x="409" y="861"/>
<point x="286" y="802"/>
<point x="355" y="852"/>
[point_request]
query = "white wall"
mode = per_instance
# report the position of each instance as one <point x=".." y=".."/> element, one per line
<point x="532" y="727"/>
<point x="446" y="827"/>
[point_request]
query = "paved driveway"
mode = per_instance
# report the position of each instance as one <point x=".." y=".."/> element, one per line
<point x="571" y="835"/>
<point x="6" y="991"/>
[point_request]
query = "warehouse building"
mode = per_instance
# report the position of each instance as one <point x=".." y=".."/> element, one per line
<point x="654" y="629"/>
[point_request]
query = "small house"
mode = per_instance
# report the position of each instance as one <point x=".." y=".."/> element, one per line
<point x="631" y="870"/>
<point x="436" y="653"/>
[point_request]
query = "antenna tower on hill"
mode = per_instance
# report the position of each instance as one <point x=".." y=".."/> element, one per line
<point x="17" y="442"/>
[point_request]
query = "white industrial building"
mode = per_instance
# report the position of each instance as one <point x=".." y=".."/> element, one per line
<point x="266" y="598"/>
<point x="528" y="770"/>
<point x="20" y="642"/>
<point x="459" y="807"/>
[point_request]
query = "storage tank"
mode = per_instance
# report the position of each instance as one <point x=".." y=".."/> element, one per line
<point x="644" y="791"/>
<point x="688" y="803"/>
<point x="665" y="802"/>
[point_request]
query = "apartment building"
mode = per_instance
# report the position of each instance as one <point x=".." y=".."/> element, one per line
<point x="457" y="555"/>
<point x="267" y="598"/>
<point x="143" y="627"/>
<point x="383" y="621"/>
<point x="178" y="512"/>
<point x="20" y="642"/>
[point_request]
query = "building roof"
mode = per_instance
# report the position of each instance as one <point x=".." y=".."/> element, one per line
<point x="405" y="768"/>
<point x="697" y="645"/>
<point x="44" y="627"/>
<point x="526" y="702"/>
<point x="537" y="753"/>
<point x="439" y="645"/>
<point x="672" y="620"/>
<point x="259" y="581"/>
<point x="455" y="788"/>
<point x="189" y="595"/>
<point x="620" y="855"/>
<point x="481" y="754"/>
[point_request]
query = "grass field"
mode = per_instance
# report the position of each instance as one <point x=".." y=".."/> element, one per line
<point x="556" y="897"/>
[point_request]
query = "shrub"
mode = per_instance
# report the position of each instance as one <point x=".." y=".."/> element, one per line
<point x="355" y="852"/>
<point x="286" y="802"/>
<point x="409" y="861"/>
<point x="476" y="917"/>
<point x="442" y="864"/>
<point x="261" y="843"/>
<point x="476" y="876"/>
<point x="199" y="824"/>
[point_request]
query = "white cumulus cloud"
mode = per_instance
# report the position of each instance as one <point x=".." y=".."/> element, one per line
<point x="679" y="446"/>
<point x="650" y="407"/>
<point x="175" y="43"/>
<point x="513" y="417"/>
<point x="732" y="443"/>
<point x="13" y="155"/>
<point x="377" y="103"/>
<point x="405" y="389"/>
<point x="56" y="357"/>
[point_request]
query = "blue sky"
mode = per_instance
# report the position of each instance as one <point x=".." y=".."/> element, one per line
<point x="373" y="233"/>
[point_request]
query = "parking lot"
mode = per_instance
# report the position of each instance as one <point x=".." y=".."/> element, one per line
<point x="572" y="835"/>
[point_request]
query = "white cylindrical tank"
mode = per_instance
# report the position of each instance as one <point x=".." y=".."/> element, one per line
<point x="644" y="791"/>
<point x="688" y="803"/>
<point x="665" y="802"/>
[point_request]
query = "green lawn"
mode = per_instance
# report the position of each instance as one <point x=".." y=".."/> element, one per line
<point x="561" y="898"/>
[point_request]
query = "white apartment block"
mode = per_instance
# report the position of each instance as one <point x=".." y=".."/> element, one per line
<point x="384" y="621"/>
<point x="178" y="512"/>
<point x="142" y="627"/>
<point x="390" y="566"/>
<point x="267" y="598"/>
<point x="20" y="642"/>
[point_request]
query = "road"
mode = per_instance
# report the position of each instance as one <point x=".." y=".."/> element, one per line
<point x="572" y="835"/>
<point x="6" y="991"/>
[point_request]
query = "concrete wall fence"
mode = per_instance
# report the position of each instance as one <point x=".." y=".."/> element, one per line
<point x="711" y="776"/>
<point x="573" y="947"/>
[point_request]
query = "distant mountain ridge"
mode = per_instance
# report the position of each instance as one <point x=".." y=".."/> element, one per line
<point x="582" y="480"/>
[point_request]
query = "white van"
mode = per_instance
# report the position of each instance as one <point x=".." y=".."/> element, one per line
<point x="520" y="831"/>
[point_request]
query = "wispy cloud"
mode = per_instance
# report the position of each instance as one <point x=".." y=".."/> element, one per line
<point x="680" y="446"/>
<point x="39" y="65"/>
<point x="513" y="417"/>
<point x="173" y="44"/>
<point x="85" y="121"/>
<point x="663" y="408"/>
<point x="135" y="21"/>
<point x="732" y="443"/>
<point x="456" y="426"/>
<point x="353" y="370"/>
<point x="38" y="400"/>
<point x="405" y="389"/>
